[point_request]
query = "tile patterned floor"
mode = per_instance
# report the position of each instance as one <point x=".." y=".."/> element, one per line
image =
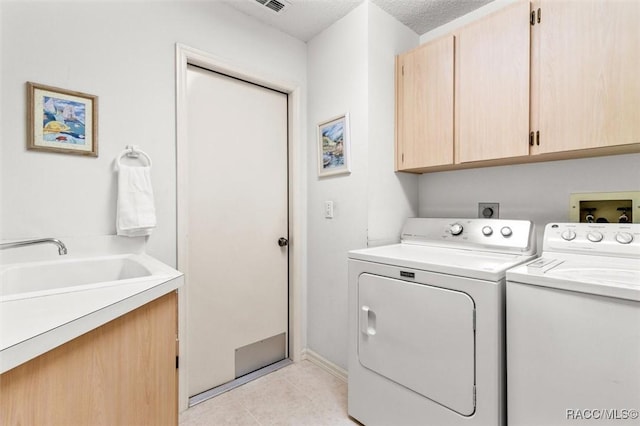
<point x="301" y="394"/>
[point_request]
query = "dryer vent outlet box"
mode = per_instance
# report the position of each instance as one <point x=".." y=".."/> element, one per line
<point x="605" y="207"/>
<point x="488" y="210"/>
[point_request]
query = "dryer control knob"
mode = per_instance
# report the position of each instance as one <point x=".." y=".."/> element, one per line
<point x="506" y="232"/>
<point x="568" y="235"/>
<point x="487" y="230"/>
<point x="456" y="229"/>
<point x="624" y="237"/>
<point x="595" y="236"/>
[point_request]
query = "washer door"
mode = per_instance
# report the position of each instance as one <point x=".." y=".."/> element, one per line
<point x="419" y="336"/>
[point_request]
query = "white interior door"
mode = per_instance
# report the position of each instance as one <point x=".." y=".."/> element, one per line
<point x="236" y="272"/>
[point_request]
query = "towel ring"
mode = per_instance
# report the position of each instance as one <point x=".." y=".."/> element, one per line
<point x="132" y="151"/>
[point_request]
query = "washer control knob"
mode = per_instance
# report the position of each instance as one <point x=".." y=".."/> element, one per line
<point x="487" y="230"/>
<point x="568" y="235"/>
<point x="456" y="229"/>
<point x="506" y="232"/>
<point x="595" y="236"/>
<point x="624" y="237"/>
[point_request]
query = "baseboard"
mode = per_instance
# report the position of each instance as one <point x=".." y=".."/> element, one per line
<point x="325" y="364"/>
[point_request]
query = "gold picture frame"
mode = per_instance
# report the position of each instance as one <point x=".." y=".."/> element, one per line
<point x="62" y="121"/>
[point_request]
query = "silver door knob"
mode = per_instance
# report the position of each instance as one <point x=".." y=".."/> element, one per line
<point x="283" y="242"/>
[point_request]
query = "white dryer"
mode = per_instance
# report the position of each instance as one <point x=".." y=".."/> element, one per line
<point x="426" y="323"/>
<point x="573" y="328"/>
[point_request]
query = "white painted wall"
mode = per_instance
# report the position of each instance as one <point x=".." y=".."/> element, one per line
<point x="538" y="192"/>
<point x="393" y="197"/>
<point x="337" y="83"/>
<point x="123" y="52"/>
<point x="1" y="117"/>
<point x="350" y="69"/>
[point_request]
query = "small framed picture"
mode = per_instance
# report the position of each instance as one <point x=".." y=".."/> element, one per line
<point x="62" y="120"/>
<point x="334" y="146"/>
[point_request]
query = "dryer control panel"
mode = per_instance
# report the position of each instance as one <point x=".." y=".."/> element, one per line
<point x="604" y="239"/>
<point x="497" y="235"/>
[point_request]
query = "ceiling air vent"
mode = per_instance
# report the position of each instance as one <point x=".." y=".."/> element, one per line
<point x="275" y="5"/>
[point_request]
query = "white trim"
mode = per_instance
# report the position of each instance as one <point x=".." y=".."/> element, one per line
<point x="297" y="201"/>
<point x="325" y="364"/>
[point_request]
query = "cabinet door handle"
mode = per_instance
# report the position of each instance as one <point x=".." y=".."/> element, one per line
<point x="531" y="139"/>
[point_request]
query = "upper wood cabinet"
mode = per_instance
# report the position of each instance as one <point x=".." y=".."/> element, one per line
<point x="424" y="106"/>
<point x="532" y="82"/>
<point x="492" y="86"/>
<point x="586" y="75"/>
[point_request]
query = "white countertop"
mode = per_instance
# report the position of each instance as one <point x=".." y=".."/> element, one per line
<point x="32" y="326"/>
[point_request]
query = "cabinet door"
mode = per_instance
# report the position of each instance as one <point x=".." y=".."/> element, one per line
<point x="419" y="336"/>
<point x="586" y="80"/>
<point x="121" y="373"/>
<point x="424" y="106"/>
<point x="492" y="86"/>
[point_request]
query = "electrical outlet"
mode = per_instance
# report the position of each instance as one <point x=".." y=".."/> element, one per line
<point x="489" y="210"/>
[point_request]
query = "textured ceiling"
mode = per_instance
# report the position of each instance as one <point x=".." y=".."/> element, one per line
<point x="304" y="19"/>
<point x="424" y="15"/>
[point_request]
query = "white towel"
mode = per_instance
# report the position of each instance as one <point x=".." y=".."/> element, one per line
<point x="136" y="212"/>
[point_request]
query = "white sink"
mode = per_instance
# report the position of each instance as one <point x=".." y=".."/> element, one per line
<point x="34" y="279"/>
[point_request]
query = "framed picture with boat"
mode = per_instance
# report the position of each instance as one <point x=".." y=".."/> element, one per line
<point x="334" y="146"/>
<point x="60" y="120"/>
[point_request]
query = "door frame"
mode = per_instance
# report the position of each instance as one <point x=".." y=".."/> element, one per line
<point x="187" y="55"/>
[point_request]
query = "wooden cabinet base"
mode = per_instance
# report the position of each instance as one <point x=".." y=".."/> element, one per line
<point x="568" y="155"/>
<point x="122" y="373"/>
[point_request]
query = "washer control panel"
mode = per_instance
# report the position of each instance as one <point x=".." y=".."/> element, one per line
<point x="612" y="239"/>
<point x="514" y="236"/>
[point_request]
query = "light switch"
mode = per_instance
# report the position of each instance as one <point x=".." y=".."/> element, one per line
<point x="328" y="209"/>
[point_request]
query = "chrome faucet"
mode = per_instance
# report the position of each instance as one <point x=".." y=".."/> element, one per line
<point x="62" y="249"/>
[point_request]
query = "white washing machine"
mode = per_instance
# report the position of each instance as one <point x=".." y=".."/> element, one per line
<point x="573" y="328"/>
<point x="426" y="323"/>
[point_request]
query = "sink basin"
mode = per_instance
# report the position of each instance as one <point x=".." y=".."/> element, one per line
<point x="34" y="279"/>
